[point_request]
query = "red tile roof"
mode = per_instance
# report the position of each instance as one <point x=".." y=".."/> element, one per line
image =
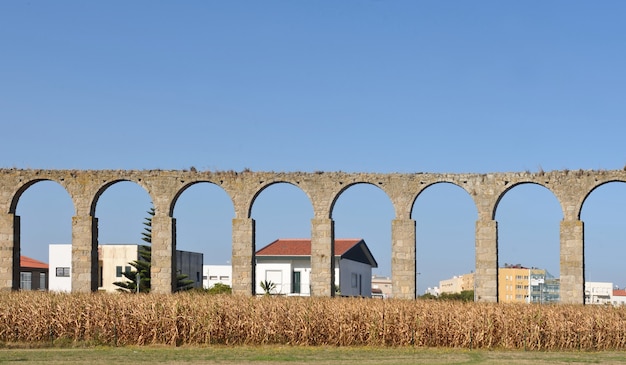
<point x="619" y="292"/>
<point x="302" y="247"/>
<point x="32" y="263"/>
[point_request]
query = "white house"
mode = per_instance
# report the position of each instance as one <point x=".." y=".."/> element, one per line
<point x="213" y="274"/>
<point x="598" y="292"/>
<point x="287" y="264"/>
<point x="113" y="260"/>
<point x="619" y="297"/>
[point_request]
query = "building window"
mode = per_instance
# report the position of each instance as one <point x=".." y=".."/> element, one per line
<point x="118" y="271"/>
<point x="42" y="281"/>
<point x="26" y="279"/>
<point x="213" y="277"/>
<point x="353" y="280"/>
<point x="63" y="272"/>
<point x="224" y="277"/>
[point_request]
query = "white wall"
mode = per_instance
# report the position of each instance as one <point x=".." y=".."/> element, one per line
<point x="598" y="292"/>
<point x="60" y="256"/>
<point x="213" y="274"/>
<point x="355" y="278"/>
<point x="280" y="272"/>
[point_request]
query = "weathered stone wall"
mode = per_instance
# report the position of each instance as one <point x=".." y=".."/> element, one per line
<point x="323" y="189"/>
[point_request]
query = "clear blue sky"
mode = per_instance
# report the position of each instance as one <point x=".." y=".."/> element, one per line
<point x="373" y="86"/>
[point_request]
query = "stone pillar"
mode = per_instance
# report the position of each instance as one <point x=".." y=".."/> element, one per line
<point x="572" y="275"/>
<point x="84" y="254"/>
<point x="322" y="257"/>
<point x="243" y="256"/>
<point x="486" y="275"/>
<point x="403" y="266"/>
<point x="9" y="251"/>
<point x="163" y="270"/>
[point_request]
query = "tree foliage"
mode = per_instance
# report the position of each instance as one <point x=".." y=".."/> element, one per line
<point x="220" y="288"/>
<point x="464" y="296"/>
<point x="143" y="265"/>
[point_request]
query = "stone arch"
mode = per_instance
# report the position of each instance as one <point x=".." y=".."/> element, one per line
<point x="586" y="194"/>
<point x="180" y="191"/>
<point x="288" y="204"/>
<point x="603" y="216"/>
<point x="21" y="189"/>
<point x="348" y="186"/>
<point x="26" y="241"/>
<point x="201" y="212"/>
<point x="102" y="188"/>
<point x="365" y="210"/>
<point x="433" y="244"/>
<point x="509" y="188"/>
<point x="535" y="252"/>
<point x="451" y="182"/>
<point x="267" y="185"/>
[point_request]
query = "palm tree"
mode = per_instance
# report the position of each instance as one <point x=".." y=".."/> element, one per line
<point x="267" y="286"/>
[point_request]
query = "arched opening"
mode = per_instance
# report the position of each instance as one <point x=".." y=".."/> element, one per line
<point x="282" y="214"/>
<point x="122" y="210"/>
<point x="604" y="214"/>
<point x="204" y="214"/>
<point x="445" y="217"/>
<point x="45" y="210"/>
<point x="364" y="211"/>
<point x="529" y="218"/>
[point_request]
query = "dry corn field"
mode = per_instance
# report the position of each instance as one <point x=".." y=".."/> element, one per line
<point x="200" y="319"/>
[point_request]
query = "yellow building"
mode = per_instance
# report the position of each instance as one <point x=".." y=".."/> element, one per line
<point x="513" y="284"/>
<point x="457" y="284"/>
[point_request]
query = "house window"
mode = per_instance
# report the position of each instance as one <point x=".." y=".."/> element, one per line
<point x="26" y="279"/>
<point x="295" y="282"/>
<point x="118" y="271"/>
<point x="213" y="277"/>
<point x="127" y="269"/>
<point x="223" y="277"/>
<point x="353" y="280"/>
<point x="63" y="272"/>
<point x="42" y="281"/>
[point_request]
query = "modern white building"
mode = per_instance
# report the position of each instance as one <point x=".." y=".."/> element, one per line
<point x="113" y="261"/>
<point x="598" y="292"/>
<point x="287" y="264"/>
<point x="214" y="274"/>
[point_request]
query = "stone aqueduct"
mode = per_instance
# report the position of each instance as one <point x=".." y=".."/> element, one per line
<point x="571" y="188"/>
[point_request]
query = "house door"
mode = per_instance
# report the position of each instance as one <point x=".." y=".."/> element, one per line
<point x="295" y="282"/>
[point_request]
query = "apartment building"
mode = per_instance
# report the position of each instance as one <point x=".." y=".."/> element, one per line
<point x="457" y="284"/>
